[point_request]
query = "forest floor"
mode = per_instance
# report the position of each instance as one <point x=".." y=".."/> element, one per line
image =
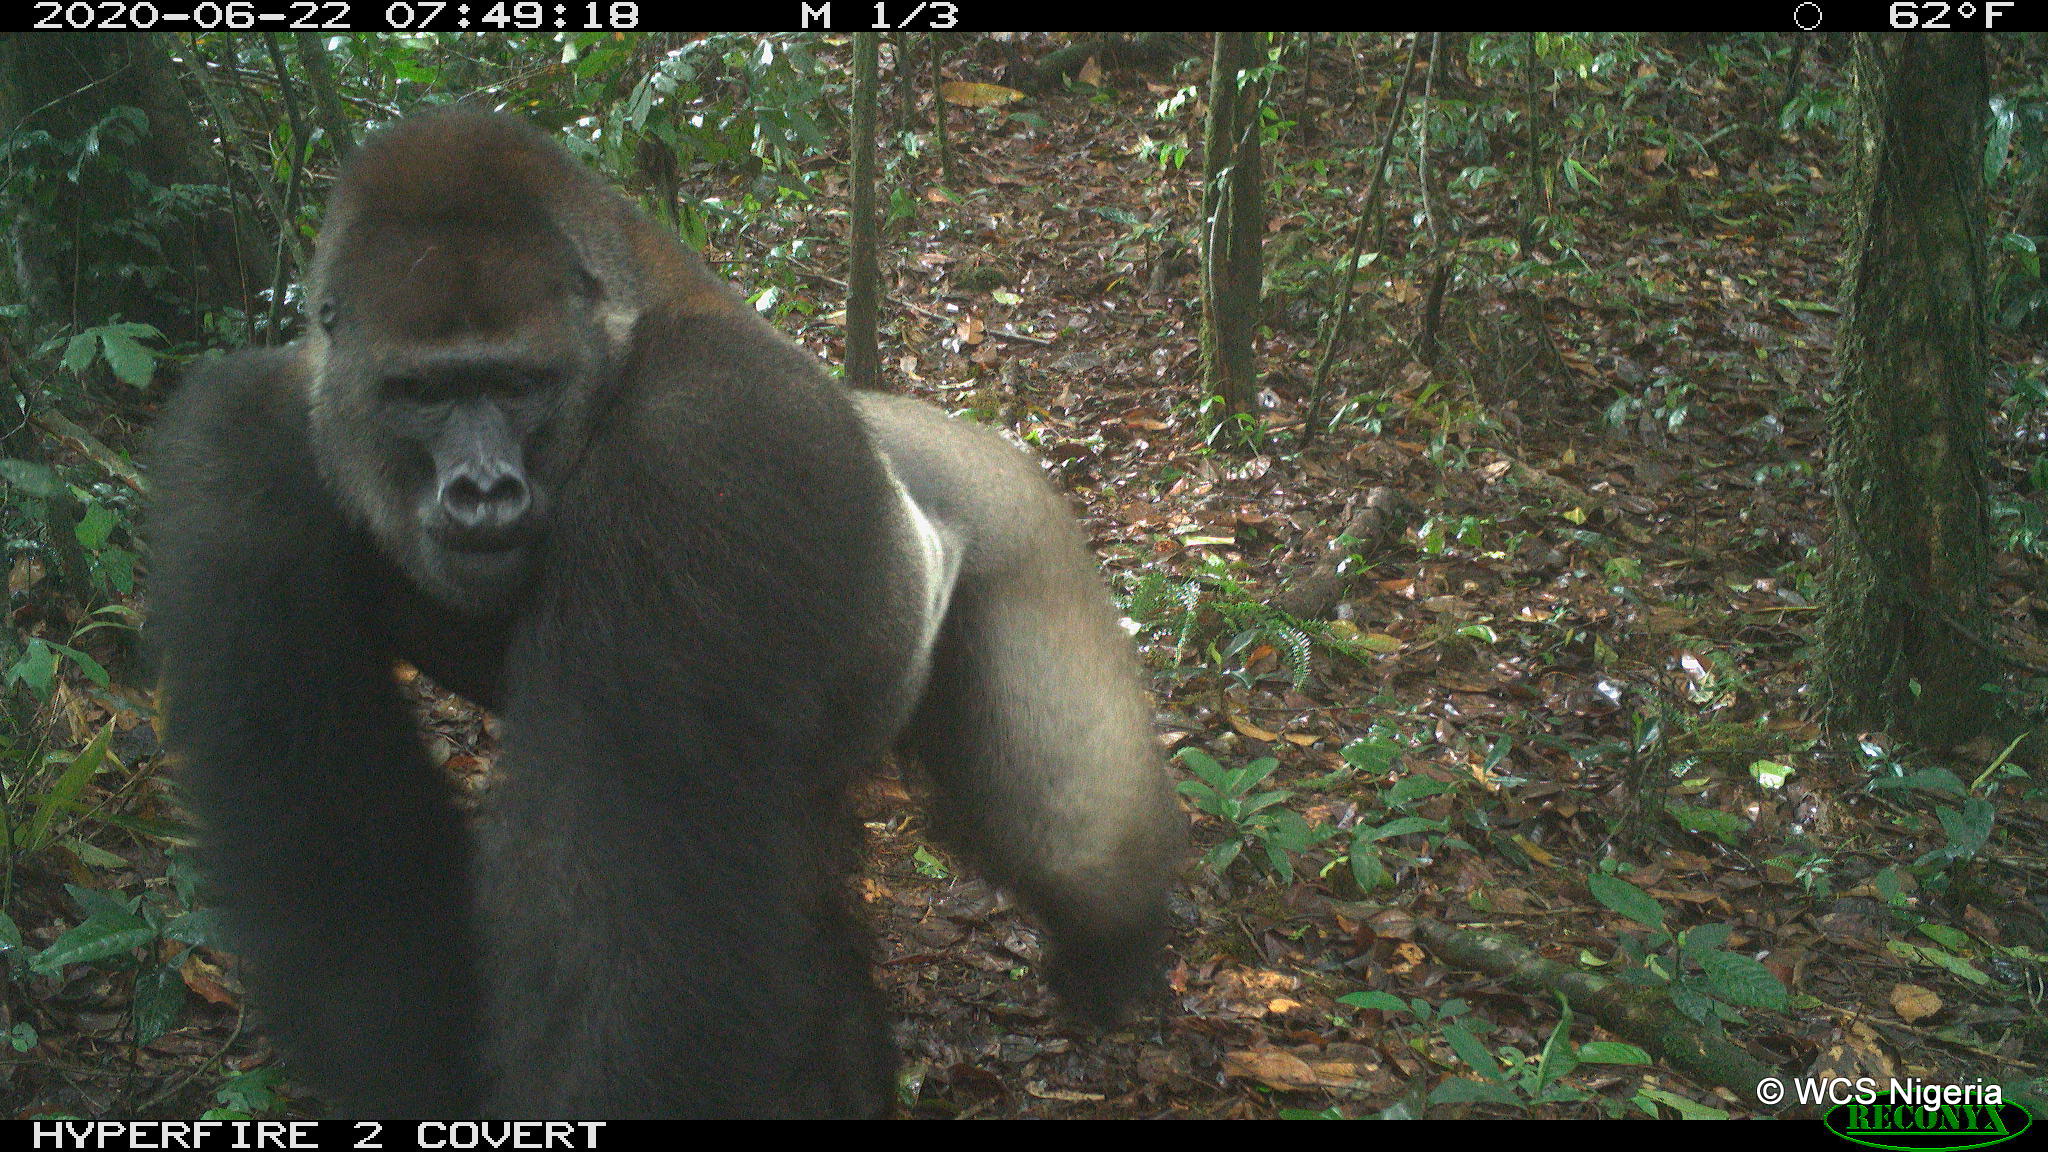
<point x="1577" y="641"/>
<point x="1574" y="648"/>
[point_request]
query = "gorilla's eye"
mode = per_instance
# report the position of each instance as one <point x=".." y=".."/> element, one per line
<point x="329" y="311"/>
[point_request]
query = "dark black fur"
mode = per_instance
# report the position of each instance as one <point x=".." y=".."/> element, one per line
<point x="714" y="619"/>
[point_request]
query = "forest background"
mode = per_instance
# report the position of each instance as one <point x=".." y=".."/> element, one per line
<point x="1580" y="498"/>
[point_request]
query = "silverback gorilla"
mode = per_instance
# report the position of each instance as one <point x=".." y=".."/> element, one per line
<point x="533" y="446"/>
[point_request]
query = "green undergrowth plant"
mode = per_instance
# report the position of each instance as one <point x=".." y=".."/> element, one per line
<point x="124" y="936"/>
<point x="1706" y="982"/>
<point x="248" y="1095"/>
<point x="1251" y="818"/>
<point x="1505" y="1075"/>
<point x="1402" y="836"/>
<point x="1258" y="817"/>
<point x="1960" y="871"/>
<point x="2019" y="511"/>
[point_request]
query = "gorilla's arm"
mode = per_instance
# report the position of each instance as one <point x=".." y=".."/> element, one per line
<point x="1033" y="726"/>
<point x="668" y="843"/>
<point x="345" y="867"/>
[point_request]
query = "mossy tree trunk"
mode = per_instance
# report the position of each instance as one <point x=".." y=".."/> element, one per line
<point x="1903" y="627"/>
<point x="1233" y="214"/>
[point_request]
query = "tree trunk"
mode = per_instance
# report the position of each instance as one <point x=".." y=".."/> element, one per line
<point x="1233" y="214"/>
<point x="1904" y="638"/>
<point x="863" y="280"/>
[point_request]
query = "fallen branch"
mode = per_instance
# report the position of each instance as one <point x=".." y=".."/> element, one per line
<point x="1312" y="595"/>
<point x="1636" y="1015"/>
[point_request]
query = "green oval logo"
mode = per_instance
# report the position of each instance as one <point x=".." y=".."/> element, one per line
<point x="1908" y="1127"/>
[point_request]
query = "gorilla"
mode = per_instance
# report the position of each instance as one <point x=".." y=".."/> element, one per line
<point x="533" y="446"/>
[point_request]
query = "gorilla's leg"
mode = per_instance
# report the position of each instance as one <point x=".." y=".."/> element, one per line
<point x="1033" y="726"/>
<point x="672" y="944"/>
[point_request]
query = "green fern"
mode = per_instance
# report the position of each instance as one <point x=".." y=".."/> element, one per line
<point x="1257" y="623"/>
<point x="1173" y="606"/>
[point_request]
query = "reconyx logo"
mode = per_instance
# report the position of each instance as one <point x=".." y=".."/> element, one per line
<point x="1891" y="1121"/>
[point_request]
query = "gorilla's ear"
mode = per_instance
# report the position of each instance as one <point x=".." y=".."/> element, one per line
<point x="1037" y="737"/>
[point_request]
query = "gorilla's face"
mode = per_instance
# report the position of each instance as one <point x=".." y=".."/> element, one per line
<point x="456" y="375"/>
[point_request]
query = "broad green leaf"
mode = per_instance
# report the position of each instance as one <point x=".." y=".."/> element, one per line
<point x="1612" y="1052"/>
<point x="69" y="783"/>
<point x="1627" y="899"/>
<point x="99" y="938"/>
<point x="159" y="1000"/>
<point x="1742" y="980"/>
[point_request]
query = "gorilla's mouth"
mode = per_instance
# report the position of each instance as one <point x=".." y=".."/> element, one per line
<point x="486" y="565"/>
<point x="474" y="580"/>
